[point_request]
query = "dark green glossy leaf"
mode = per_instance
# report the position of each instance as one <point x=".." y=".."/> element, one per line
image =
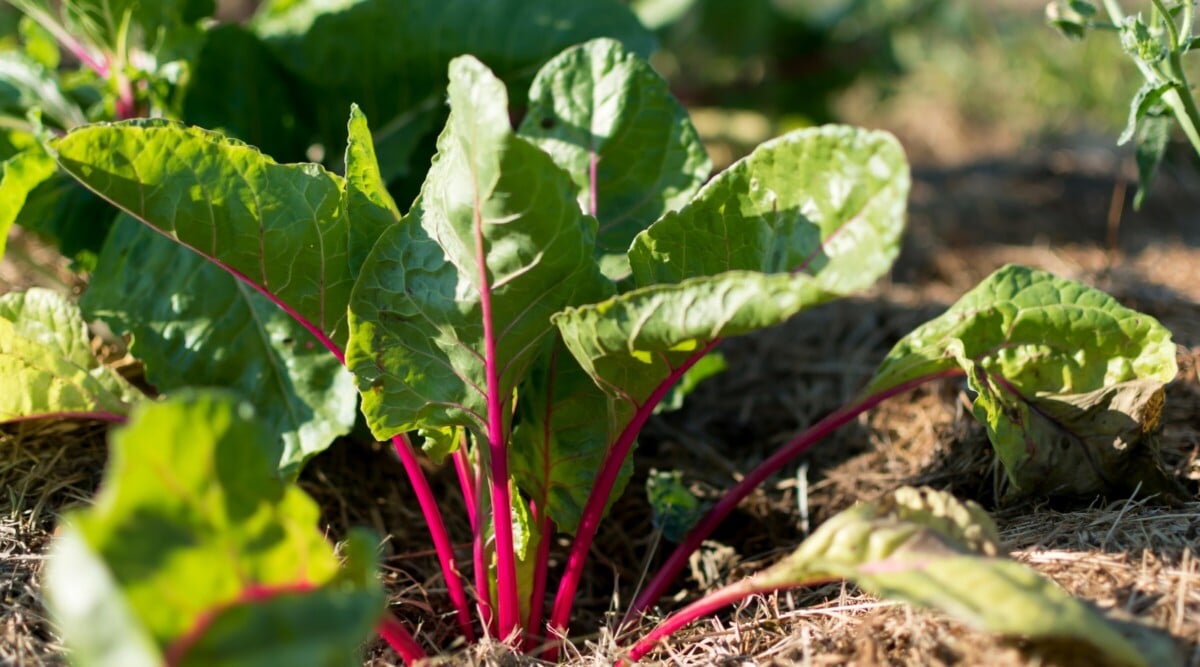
<point x="608" y="118"/>
<point x="47" y="363"/>
<point x="1044" y="353"/>
<point x="390" y="56"/>
<point x="64" y="212"/>
<point x="236" y="86"/>
<point x="418" y="344"/>
<point x="236" y="570"/>
<point x="195" y="325"/>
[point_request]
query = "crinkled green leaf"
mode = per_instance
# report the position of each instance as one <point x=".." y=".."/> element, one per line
<point x="1048" y="357"/>
<point x="193" y="551"/>
<point x="675" y="509"/>
<point x="238" y="87"/>
<point x="609" y="119"/>
<point x="19" y="175"/>
<point x="1148" y="97"/>
<point x="926" y="548"/>
<point x="281" y="227"/>
<point x="390" y="56"/>
<point x="632" y="343"/>
<point x="561" y="437"/>
<point x="828" y="202"/>
<point x="418" y="344"/>
<point x="195" y="325"/>
<point x="47" y="362"/>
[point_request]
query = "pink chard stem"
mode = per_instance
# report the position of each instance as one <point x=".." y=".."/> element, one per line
<point x="466" y="480"/>
<point x="508" y="601"/>
<point x="537" y="597"/>
<point x="598" y="498"/>
<point x="437" y="530"/>
<point x="730" y="500"/>
<point x="401" y="640"/>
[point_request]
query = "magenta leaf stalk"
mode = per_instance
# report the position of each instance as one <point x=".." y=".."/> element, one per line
<point x="401" y="640"/>
<point x="437" y="530"/>
<point x="508" y="600"/>
<point x="730" y="500"/>
<point x="537" y="597"/>
<point x="466" y="480"/>
<point x="598" y="498"/>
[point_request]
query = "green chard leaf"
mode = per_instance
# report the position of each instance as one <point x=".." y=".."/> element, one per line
<point x="223" y="334"/>
<point x="418" y="330"/>
<point x="806" y="218"/>
<point x="46" y="359"/>
<point x="19" y="175"/>
<point x="676" y="509"/>
<point x="927" y="548"/>
<point x="281" y="228"/>
<point x="237" y="571"/>
<point x="561" y="437"/>
<point x="27" y="84"/>
<point x="391" y="55"/>
<point x="608" y="118"/>
<point x="1069" y="382"/>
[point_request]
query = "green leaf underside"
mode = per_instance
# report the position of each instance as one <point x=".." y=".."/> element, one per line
<point x="281" y="227"/>
<point x="19" y="175"/>
<point x="193" y="473"/>
<point x="417" y="346"/>
<point x="599" y="102"/>
<point x="559" y="442"/>
<point x="1049" y="357"/>
<point x="924" y="547"/>
<point x="46" y="359"/>
<point x="827" y="201"/>
<point x="398" y="74"/>
<point x="195" y="325"/>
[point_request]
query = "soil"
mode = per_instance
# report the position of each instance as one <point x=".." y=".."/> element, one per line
<point x="1064" y="209"/>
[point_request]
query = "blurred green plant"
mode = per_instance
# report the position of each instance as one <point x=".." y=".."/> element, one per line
<point x="1156" y="43"/>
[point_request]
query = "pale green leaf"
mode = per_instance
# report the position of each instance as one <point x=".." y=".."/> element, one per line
<point x="828" y="202"/>
<point x="609" y="119"/>
<point x="927" y="548"/>
<point x="280" y="227"/>
<point x="369" y="207"/>
<point x="223" y="334"/>
<point x="1049" y="357"/>
<point x="229" y="541"/>
<point x="48" y="365"/>
<point x="19" y="175"/>
<point x="418" y="344"/>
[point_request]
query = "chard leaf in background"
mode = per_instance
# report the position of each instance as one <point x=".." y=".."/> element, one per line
<point x="28" y="84"/>
<point x="237" y="571"/>
<point x="19" y="175"/>
<point x="195" y="325"/>
<point x="280" y="227"/>
<point x="355" y="51"/>
<point x="47" y="363"/>
<point x="1069" y="382"/>
<point x="491" y="201"/>
<point x="238" y="87"/>
<point x="608" y="118"/>
<point x="808" y="217"/>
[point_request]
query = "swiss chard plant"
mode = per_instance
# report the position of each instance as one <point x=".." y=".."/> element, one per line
<point x="548" y="287"/>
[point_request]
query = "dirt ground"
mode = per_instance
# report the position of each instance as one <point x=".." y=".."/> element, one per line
<point x="1064" y="209"/>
